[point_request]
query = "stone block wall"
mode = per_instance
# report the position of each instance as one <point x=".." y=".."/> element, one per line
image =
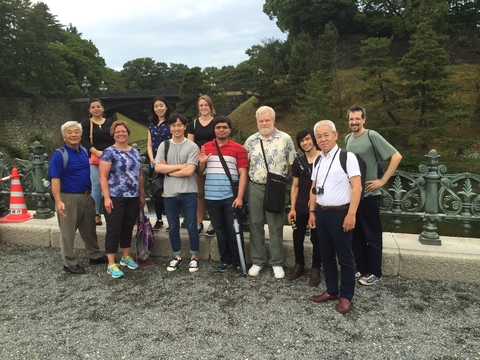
<point x="29" y="120"/>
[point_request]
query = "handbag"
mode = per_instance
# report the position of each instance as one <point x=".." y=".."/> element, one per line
<point x="241" y="212"/>
<point x="274" y="199"/>
<point x="94" y="159"/>
<point x="156" y="185"/>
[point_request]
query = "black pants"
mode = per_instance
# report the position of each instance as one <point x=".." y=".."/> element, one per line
<point x="299" y="238"/>
<point x="367" y="237"/>
<point x="336" y="244"/>
<point x="120" y="223"/>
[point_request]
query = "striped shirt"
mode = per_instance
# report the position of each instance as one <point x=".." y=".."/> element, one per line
<point x="217" y="185"/>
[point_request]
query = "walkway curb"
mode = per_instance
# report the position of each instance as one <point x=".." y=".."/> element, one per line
<point x="457" y="259"/>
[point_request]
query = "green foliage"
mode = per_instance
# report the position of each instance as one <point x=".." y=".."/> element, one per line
<point x="194" y="84"/>
<point x="10" y="150"/>
<point x="271" y="83"/>
<point x="423" y="69"/>
<point x="311" y="16"/>
<point x="314" y="104"/>
<point x="301" y="63"/>
<point x="410" y="161"/>
<point x="379" y="86"/>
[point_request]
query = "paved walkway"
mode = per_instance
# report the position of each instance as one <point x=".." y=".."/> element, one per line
<point x="46" y="313"/>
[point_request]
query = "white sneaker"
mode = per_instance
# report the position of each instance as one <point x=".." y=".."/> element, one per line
<point x="278" y="272"/>
<point x="254" y="270"/>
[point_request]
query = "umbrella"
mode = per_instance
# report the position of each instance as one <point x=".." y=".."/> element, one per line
<point x="236" y="226"/>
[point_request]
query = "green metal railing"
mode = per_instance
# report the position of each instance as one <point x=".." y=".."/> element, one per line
<point x="431" y="194"/>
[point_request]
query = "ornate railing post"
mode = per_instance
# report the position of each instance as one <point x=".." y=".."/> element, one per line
<point x="429" y="234"/>
<point x="38" y="163"/>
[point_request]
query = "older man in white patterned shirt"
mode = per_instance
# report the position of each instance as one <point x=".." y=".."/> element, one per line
<point x="279" y="152"/>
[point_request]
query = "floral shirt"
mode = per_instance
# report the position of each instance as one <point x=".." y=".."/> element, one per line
<point x="159" y="133"/>
<point x="124" y="177"/>
<point x="279" y="151"/>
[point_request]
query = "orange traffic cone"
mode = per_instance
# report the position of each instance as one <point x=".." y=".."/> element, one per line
<point x="18" y="208"/>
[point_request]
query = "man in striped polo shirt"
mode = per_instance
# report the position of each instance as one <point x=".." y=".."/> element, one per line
<point x="221" y="200"/>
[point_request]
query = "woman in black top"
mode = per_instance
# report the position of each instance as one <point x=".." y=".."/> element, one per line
<point x="99" y="140"/>
<point x="200" y="131"/>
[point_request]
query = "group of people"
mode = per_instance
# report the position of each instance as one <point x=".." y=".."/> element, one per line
<point x="96" y="161"/>
<point x="209" y="171"/>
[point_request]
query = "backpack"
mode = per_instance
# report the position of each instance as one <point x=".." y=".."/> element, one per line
<point x="343" y="163"/>
<point x="380" y="170"/>
<point x="47" y="181"/>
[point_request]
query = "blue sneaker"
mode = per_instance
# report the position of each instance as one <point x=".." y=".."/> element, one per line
<point x="114" y="271"/>
<point x="129" y="262"/>
<point x="223" y="267"/>
<point x="369" y="280"/>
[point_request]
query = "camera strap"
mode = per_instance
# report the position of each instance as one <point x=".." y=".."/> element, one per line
<point x="328" y="171"/>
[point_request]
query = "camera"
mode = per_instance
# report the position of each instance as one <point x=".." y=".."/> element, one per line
<point x="294" y="224"/>
<point x="317" y="190"/>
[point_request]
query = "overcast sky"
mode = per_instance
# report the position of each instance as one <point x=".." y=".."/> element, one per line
<point x="190" y="32"/>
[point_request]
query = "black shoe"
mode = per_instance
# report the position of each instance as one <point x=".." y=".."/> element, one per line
<point x="77" y="269"/>
<point x="239" y="272"/>
<point x="200" y="228"/>
<point x="158" y="225"/>
<point x="98" y="220"/>
<point x="101" y="260"/>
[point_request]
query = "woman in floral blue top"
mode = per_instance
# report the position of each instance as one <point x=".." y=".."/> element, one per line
<point x="123" y="190"/>
<point x="158" y="132"/>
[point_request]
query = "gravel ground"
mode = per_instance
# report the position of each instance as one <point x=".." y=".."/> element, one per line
<point x="46" y="313"/>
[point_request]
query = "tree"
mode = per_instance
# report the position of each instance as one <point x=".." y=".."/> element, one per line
<point x="327" y="62"/>
<point x="36" y="59"/>
<point x="271" y="65"/>
<point x="301" y="63"/>
<point x="114" y="80"/>
<point x="311" y="16"/>
<point x="143" y="71"/>
<point x="463" y="14"/>
<point x="376" y="62"/>
<point x="194" y="84"/>
<point x="314" y="103"/>
<point x="11" y="13"/>
<point x="175" y="75"/>
<point x="423" y="70"/>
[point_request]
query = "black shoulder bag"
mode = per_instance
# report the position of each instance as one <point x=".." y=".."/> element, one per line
<point x="242" y="212"/>
<point x="157" y="179"/>
<point x="274" y="200"/>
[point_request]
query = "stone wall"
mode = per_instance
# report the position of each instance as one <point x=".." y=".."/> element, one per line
<point x="27" y="120"/>
<point x="464" y="48"/>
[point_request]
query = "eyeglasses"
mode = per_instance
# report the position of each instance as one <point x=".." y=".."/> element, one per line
<point x="221" y="127"/>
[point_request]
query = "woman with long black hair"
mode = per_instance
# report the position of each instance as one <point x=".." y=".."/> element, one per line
<point x="158" y="132"/>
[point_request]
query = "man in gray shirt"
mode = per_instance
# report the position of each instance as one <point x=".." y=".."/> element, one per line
<point x="180" y="189"/>
<point x="367" y="236"/>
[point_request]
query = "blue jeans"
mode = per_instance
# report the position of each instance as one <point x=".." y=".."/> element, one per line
<point x="188" y="204"/>
<point x="96" y="189"/>
<point x="221" y="215"/>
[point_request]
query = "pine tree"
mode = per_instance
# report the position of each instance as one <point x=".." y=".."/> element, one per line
<point x="376" y="62"/>
<point x="327" y="62"/>
<point x="301" y="63"/>
<point x="423" y="70"/>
